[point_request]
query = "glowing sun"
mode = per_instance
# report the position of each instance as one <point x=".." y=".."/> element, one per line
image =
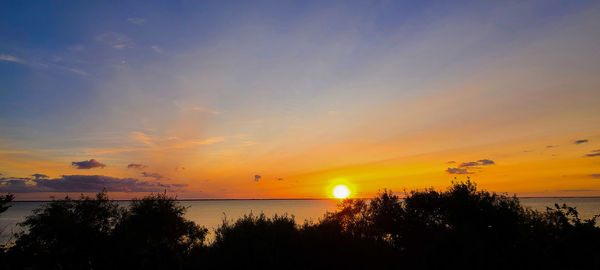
<point x="341" y="192"/>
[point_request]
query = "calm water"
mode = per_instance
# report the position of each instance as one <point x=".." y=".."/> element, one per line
<point x="212" y="212"/>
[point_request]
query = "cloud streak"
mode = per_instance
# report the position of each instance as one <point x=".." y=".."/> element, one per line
<point x="595" y="153"/>
<point x="115" y="40"/>
<point x="153" y="175"/>
<point x="457" y="171"/>
<point x="580" y="141"/>
<point x="136" y="166"/>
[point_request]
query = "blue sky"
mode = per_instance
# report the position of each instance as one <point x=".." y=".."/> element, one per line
<point x="230" y="89"/>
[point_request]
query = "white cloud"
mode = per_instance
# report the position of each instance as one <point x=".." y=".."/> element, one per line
<point x="157" y="49"/>
<point x="138" y="21"/>
<point x="10" y="58"/>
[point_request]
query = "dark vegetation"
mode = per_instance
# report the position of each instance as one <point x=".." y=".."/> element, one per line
<point x="461" y="227"/>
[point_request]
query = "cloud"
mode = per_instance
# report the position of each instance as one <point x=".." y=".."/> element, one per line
<point x="580" y="141"/>
<point x="153" y="175"/>
<point x="469" y="164"/>
<point x="88" y="164"/>
<point x="138" y="21"/>
<point x="205" y="110"/>
<point x="457" y="171"/>
<point x="279" y="179"/>
<point x="178" y="168"/>
<point x="38" y="176"/>
<point x="595" y="153"/>
<point x="35" y="64"/>
<point x="550" y="146"/>
<point x="257" y="177"/>
<point x="486" y="162"/>
<point x="481" y="162"/>
<point x="451" y="162"/>
<point x="82" y="183"/>
<point x="115" y="40"/>
<point x="10" y="58"/>
<point x="156" y="143"/>
<point x="596" y="175"/>
<point x="136" y="166"/>
<point x="157" y="49"/>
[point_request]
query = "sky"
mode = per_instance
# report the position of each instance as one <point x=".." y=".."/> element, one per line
<point x="286" y="99"/>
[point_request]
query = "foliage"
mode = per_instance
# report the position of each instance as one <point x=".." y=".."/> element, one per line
<point x="5" y="201"/>
<point x="460" y="227"/>
<point x="68" y="234"/>
<point x="154" y="234"/>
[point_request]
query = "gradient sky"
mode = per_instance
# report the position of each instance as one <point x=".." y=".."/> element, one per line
<point x="284" y="99"/>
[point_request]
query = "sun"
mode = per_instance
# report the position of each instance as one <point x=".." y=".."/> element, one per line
<point x="341" y="192"/>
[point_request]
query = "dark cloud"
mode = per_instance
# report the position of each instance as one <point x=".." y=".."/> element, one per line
<point x="457" y="171"/>
<point x="481" y="162"/>
<point x="88" y="164"/>
<point x="153" y="175"/>
<point x="485" y="162"/>
<point x="39" y="176"/>
<point x="596" y="175"/>
<point x="580" y="141"/>
<point x="279" y="178"/>
<point x="257" y="177"/>
<point x="82" y="183"/>
<point x="549" y="146"/>
<point x="136" y="166"/>
<point x="469" y="164"/>
<point x="451" y="162"/>
<point x="593" y="155"/>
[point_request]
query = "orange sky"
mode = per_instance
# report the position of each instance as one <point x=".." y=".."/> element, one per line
<point x="287" y="107"/>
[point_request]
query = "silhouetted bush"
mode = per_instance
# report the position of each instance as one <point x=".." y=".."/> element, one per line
<point x="5" y="202"/>
<point x="469" y="228"/>
<point x="68" y="234"/>
<point x="154" y="234"/>
<point x="460" y="227"/>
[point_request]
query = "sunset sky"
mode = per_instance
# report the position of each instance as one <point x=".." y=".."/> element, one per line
<point x="286" y="99"/>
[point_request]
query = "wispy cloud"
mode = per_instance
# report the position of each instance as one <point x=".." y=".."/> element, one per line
<point x="580" y="141"/>
<point x="37" y="64"/>
<point x="10" y="58"/>
<point x="115" y="40"/>
<point x="157" y="49"/>
<point x="204" y="110"/>
<point x="138" y="21"/>
<point x="153" y="175"/>
<point x="596" y="175"/>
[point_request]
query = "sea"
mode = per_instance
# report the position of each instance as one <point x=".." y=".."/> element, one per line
<point x="212" y="213"/>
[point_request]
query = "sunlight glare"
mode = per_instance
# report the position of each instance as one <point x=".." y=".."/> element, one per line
<point x="341" y="191"/>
